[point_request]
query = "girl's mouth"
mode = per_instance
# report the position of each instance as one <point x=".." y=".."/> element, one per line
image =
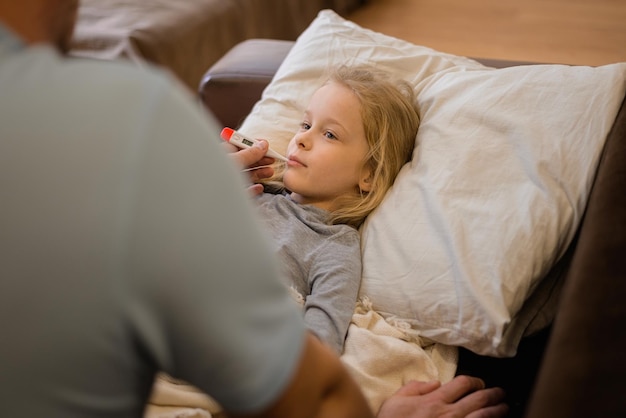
<point x="295" y="162"/>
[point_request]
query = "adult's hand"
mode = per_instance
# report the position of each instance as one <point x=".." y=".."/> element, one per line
<point x="464" y="396"/>
<point x="254" y="160"/>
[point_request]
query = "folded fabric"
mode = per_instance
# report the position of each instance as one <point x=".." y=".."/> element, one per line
<point x="174" y="398"/>
<point x="383" y="355"/>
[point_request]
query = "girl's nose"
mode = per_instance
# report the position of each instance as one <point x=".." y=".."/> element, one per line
<point x="303" y="140"/>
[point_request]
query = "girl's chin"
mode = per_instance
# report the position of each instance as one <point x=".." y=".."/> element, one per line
<point x="291" y="185"/>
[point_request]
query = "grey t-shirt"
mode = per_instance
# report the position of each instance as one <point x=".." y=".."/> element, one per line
<point x="119" y="256"/>
<point x="321" y="261"/>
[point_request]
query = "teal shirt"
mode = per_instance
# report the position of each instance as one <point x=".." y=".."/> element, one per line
<point x="119" y="254"/>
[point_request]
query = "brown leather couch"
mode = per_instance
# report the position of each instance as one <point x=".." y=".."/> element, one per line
<point x="575" y="367"/>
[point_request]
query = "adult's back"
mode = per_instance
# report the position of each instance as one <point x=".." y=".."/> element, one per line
<point x="120" y="253"/>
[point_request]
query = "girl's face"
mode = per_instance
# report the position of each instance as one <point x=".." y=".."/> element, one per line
<point x="327" y="154"/>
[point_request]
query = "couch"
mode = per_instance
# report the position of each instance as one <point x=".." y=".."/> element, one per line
<point x="574" y="366"/>
<point x="188" y="36"/>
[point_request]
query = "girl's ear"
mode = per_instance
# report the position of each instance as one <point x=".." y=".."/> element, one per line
<point x="365" y="183"/>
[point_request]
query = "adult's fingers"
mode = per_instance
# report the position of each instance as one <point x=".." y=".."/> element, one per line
<point x="260" y="173"/>
<point x="228" y="147"/>
<point x="485" y="403"/>
<point x="459" y="387"/>
<point x="493" y="406"/>
<point x="255" y="189"/>
<point x="248" y="157"/>
<point x="415" y="388"/>
<point x="496" y="411"/>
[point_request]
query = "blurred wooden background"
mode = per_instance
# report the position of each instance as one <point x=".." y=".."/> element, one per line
<point x="581" y="32"/>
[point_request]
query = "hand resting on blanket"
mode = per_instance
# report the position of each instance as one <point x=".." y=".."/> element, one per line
<point x="464" y="396"/>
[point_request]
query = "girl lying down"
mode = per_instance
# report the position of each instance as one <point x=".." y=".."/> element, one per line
<point x="357" y="132"/>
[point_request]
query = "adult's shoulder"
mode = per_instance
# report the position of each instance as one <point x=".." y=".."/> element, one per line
<point x="102" y="98"/>
<point x="93" y="84"/>
<point x="116" y="70"/>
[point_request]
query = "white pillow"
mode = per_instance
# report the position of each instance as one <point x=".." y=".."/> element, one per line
<point x="498" y="183"/>
<point x="330" y="41"/>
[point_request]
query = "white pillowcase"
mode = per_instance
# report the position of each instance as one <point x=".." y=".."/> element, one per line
<point x="330" y="41"/>
<point x="498" y="183"/>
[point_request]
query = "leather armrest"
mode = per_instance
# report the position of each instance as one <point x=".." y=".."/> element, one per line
<point x="583" y="371"/>
<point x="231" y="87"/>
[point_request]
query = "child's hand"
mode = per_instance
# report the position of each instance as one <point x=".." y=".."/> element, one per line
<point x="254" y="161"/>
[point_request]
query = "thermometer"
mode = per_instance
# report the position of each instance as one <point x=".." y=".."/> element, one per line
<point x="242" y="141"/>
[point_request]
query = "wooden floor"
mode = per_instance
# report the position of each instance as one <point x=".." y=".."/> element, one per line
<point x="581" y="32"/>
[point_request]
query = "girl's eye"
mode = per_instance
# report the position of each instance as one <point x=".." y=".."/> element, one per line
<point x="305" y="126"/>
<point x="330" y="135"/>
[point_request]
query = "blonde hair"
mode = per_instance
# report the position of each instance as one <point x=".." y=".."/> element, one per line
<point x="390" y="121"/>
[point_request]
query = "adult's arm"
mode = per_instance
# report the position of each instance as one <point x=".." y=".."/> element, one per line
<point x="321" y="387"/>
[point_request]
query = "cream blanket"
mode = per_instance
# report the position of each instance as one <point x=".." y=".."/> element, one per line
<point x="381" y="354"/>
